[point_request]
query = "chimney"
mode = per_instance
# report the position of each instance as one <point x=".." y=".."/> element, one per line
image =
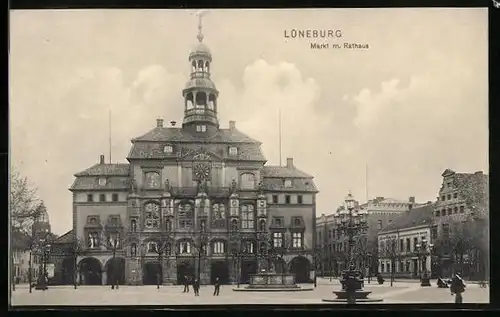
<point x="173" y="123"/>
<point x="159" y="123"/>
<point x="101" y="159"/>
<point x="232" y="125"/>
<point x="289" y="162"/>
<point x="411" y="199"/>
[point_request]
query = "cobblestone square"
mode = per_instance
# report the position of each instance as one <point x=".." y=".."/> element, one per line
<point x="402" y="292"/>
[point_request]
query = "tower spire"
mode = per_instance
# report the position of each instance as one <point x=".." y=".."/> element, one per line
<point x="200" y="26"/>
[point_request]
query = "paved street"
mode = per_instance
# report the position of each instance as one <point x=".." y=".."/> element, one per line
<point x="401" y="292"/>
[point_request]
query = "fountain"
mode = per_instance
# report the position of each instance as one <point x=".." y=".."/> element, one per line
<point x="270" y="281"/>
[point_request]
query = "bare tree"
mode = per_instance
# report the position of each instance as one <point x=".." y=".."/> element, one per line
<point x="392" y="253"/>
<point x="24" y="210"/>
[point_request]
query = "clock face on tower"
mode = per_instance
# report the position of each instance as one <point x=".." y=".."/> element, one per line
<point x="201" y="171"/>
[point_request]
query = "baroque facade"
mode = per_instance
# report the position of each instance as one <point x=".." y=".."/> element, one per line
<point x="194" y="200"/>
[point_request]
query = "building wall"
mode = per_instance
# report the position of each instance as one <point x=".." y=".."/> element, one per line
<point x="412" y="266"/>
<point x="103" y="210"/>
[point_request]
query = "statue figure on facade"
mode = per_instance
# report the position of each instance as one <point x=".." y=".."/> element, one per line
<point x="133" y="186"/>
<point x="167" y="185"/>
<point x="233" y="186"/>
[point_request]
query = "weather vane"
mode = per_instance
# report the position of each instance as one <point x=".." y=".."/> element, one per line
<point x="200" y="15"/>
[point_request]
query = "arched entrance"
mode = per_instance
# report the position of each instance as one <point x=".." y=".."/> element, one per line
<point x="247" y="267"/>
<point x="67" y="271"/>
<point x="219" y="269"/>
<point x="90" y="272"/>
<point x="151" y="273"/>
<point x="184" y="269"/>
<point x="115" y="270"/>
<point x="300" y="266"/>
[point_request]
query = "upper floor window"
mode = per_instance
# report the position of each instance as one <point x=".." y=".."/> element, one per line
<point x="408" y="244"/>
<point x="152" y="179"/>
<point x="278" y="239"/>
<point x="455" y="195"/>
<point x="184" y="247"/>
<point x="218" y="247"/>
<point x="443" y="198"/>
<point x="434" y="233"/>
<point x="401" y="245"/>
<point x="185" y="216"/>
<point x="288" y="183"/>
<point x="219" y="212"/>
<point x="133" y="225"/>
<point x="297" y="222"/>
<point x="102" y="181"/>
<point x="446" y="230"/>
<point x="152" y="219"/>
<point x="275" y="199"/>
<point x="248" y="247"/>
<point x="102" y="197"/>
<point x="455" y="210"/>
<point x="415" y="243"/>
<point x="168" y="149"/>
<point x="233" y="150"/>
<point x="438" y="213"/>
<point x="247" y="217"/>
<point x="448" y="196"/>
<point x="114" y="197"/>
<point x="379" y="224"/>
<point x="299" y="199"/>
<point x="168" y="225"/>
<point x="114" y="240"/>
<point x="278" y="223"/>
<point x="462" y="209"/>
<point x="90" y="197"/>
<point x="297" y="239"/>
<point x="93" y="240"/>
<point x="247" y="181"/>
<point x="449" y="185"/>
<point x="201" y="128"/>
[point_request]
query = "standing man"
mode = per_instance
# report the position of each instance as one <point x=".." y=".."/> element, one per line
<point x="186" y="284"/>
<point x="196" y="287"/>
<point x="216" y="287"/>
<point x="457" y="287"/>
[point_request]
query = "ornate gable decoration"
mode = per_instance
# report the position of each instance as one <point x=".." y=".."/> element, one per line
<point x="199" y="155"/>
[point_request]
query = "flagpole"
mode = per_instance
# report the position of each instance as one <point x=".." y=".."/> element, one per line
<point x="366" y="182"/>
<point x="279" y="132"/>
<point x="109" y="126"/>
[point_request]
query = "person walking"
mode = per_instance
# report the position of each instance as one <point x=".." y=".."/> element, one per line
<point x="216" y="287"/>
<point x="186" y="284"/>
<point x="457" y="287"/>
<point x="196" y="287"/>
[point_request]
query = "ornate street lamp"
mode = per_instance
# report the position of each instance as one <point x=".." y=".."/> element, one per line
<point x="423" y="251"/>
<point x="351" y="222"/>
<point x="369" y="264"/>
<point x="43" y="276"/>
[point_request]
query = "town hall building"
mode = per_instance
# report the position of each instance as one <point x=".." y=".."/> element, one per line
<point x="194" y="200"/>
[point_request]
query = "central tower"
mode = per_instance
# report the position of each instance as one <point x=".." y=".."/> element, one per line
<point x="200" y="94"/>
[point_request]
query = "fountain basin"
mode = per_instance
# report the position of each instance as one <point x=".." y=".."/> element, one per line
<point x="272" y="282"/>
<point x="360" y="296"/>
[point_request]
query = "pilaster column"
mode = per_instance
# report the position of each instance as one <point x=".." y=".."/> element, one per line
<point x="179" y="175"/>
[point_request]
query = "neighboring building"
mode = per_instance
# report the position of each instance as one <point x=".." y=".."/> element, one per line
<point x="325" y="243"/>
<point x="397" y="241"/>
<point x="182" y="184"/>
<point x="461" y="217"/>
<point x="62" y="256"/>
<point x="20" y="249"/>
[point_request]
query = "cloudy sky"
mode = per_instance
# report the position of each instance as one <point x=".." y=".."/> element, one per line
<point x="410" y="106"/>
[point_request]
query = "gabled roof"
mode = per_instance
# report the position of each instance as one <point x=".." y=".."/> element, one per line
<point x="91" y="183"/>
<point x="106" y="170"/>
<point x="65" y="238"/>
<point x="448" y="172"/>
<point x="298" y="185"/>
<point x="415" y="217"/>
<point x="170" y="134"/>
<point x="283" y="172"/>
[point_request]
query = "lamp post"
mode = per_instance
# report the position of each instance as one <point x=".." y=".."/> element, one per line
<point x="423" y="251"/>
<point x="43" y="276"/>
<point x="369" y="258"/>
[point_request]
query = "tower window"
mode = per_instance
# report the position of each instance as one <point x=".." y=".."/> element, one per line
<point x="201" y="128"/>
<point x="233" y="151"/>
<point x="168" y="149"/>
